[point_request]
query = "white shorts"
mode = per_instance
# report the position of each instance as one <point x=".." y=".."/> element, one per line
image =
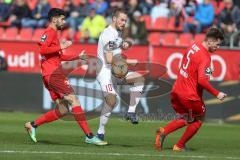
<point x="108" y="82"/>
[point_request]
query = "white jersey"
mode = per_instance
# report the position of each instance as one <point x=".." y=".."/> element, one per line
<point x="109" y="34"/>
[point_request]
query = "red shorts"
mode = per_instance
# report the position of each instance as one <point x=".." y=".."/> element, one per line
<point x="57" y="85"/>
<point x="188" y="108"/>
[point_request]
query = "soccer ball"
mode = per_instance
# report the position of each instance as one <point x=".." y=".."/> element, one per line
<point x="119" y="68"/>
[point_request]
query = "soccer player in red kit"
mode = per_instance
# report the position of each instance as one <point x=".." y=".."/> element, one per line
<point x="55" y="80"/>
<point x="186" y="94"/>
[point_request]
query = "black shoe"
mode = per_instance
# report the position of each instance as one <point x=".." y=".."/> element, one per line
<point x="100" y="136"/>
<point x="132" y="117"/>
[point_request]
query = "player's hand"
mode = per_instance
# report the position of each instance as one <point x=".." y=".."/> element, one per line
<point x="83" y="55"/>
<point x="221" y="96"/>
<point x="65" y="44"/>
<point x="126" y="44"/>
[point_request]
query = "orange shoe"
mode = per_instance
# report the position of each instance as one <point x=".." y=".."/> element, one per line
<point x="178" y="149"/>
<point x="160" y="136"/>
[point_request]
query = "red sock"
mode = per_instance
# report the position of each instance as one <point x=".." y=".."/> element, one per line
<point x="50" y="116"/>
<point x="79" y="116"/>
<point x="174" y="125"/>
<point x="189" y="133"/>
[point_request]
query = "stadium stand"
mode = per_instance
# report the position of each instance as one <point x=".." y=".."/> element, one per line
<point x="1" y="33"/>
<point x="37" y="34"/>
<point x="11" y="33"/>
<point x="154" y="39"/>
<point x="169" y="39"/>
<point x="25" y="34"/>
<point x="171" y="25"/>
<point x="185" y="39"/>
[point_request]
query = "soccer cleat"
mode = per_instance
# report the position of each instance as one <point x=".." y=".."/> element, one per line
<point x="100" y="136"/>
<point x="178" y="149"/>
<point x="132" y="117"/>
<point x="31" y="131"/>
<point x="96" y="141"/>
<point x="160" y="136"/>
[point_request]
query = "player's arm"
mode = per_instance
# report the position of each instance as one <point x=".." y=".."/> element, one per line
<point x="108" y="42"/>
<point x="109" y="57"/>
<point x="45" y="44"/>
<point x="126" y="44"/>
<point x="70" y="57"/>
<point x="132" y="62"/>
<point x="204" y="73"/>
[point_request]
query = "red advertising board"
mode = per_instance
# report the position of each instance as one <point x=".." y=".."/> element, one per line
<point x="225" y="63"/>
<point x="24" y="57"/>
<point x="20" y="56"/>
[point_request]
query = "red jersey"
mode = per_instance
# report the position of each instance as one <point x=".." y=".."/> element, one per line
<point x="194" y="74"/>
<point x="51" y="53"/>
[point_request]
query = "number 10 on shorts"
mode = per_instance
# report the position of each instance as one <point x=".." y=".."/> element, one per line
<point x="109" y="87"/>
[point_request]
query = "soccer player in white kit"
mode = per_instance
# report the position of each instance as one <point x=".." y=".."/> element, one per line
<point x="112" y="36"/>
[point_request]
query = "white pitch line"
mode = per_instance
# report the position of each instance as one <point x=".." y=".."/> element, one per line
<point x="119" y="154"/>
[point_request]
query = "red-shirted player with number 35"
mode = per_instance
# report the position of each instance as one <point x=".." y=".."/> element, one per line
<point x="186" y="95"/>
<point x="56" y="81"/>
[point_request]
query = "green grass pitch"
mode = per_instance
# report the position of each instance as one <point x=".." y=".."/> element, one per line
<point x="64" y="140"/>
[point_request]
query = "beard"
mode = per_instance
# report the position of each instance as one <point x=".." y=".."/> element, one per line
<point x="212" y="50"/>
<point x="59" y="27"/>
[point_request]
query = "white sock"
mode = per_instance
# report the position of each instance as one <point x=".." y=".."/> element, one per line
<point x="135" y="96"/>
<point x="134" y="100"/>
<point x="106" y="112"/>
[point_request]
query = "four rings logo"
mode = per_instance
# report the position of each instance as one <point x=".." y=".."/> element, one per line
<point x="178" y="56"/>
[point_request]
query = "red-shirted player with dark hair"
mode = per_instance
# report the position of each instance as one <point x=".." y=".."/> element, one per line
<point x="186" y="95"/>
<point x="56" y="81"/>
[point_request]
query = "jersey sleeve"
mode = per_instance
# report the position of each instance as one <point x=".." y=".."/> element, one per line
<point x="204" y="73"/>
<point x="69" y="57"/>
<point x="109" y="39"/>
<point x="45" y="44"/>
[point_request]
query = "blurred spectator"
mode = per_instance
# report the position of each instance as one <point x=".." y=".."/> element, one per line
<point x="78" y="14"/>
<point x="4" y="11"/>
<point x="229" y="20"/>
<point x="113" y="4"/>
<point x="203" y="18"/>
<point x="8" y="1"/>
<point x="68" y="7"/>
<point x="160" y="9"/>
<point x="32" y="4"/>
<point x="19" y="11"/>
<point x="176" y="10"/>
<point x="177" y="5"/>
<point x="131" y="7"/>
<point x="101" y="6"/>
<point x="189" y="8"/>
<point x="137" y="29"/>
<point x="56" y="3"/>
<point x="146" y="6"/>
<point x="199" y="1"/>
<point x="92" y="26"/>
<point x="237" y="3"/>
<point x="39" y="15"/>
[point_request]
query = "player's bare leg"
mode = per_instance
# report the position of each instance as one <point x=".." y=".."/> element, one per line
<point x="110" y="103"/>
<point x="191" y="130"/>
<point x="138" y="83"/>
<point x="52" y="115"/>
<point x="80" y="118"/>
<point x="169" y="128"/>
